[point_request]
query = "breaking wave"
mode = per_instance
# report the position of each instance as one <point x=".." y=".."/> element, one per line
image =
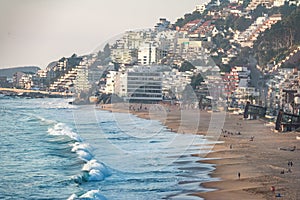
<point x="92" y="170"/>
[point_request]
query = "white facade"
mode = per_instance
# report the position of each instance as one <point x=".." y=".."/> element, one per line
<point x="121" y="84"/>
<point x="110" y="82"/>
<point x="123" y="56"/>
<point x="147" y="54"/>
<point x="81" y="82"/>
<point x="175" y="82"/>
<point x="139" y="83"/>
<point x="278" y="3"/>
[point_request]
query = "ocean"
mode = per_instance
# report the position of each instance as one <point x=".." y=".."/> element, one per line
<point x="50" y="149"/>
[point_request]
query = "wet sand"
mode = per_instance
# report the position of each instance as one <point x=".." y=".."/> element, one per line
<point x="260" y="161"/>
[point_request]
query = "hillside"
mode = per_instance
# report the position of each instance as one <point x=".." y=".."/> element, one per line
<point x="8" y="72"/>
<point x="274" y="43"/>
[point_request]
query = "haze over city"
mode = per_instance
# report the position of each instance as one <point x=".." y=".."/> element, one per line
<point x="150" y="100"/>
<point x="38" y="32"/>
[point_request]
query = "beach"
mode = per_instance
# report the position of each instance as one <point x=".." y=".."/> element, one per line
<point x="251" y="160"/>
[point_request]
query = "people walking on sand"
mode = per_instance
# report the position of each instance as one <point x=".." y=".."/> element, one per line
<point x="273" y="188"/>
<point x="239" y="175"/>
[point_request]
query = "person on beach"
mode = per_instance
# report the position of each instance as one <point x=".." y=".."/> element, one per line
<point x="239" y="175"/>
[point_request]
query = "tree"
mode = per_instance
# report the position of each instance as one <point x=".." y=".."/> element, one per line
<point x="196" y="80"/>
<point x="186" y="66"/>
<point x="187" y="18"/>
<point x="259" y="11"/>
<point x="241" y="24"/>
<point x="282" y="36"/>
<point x="221" y="42"/>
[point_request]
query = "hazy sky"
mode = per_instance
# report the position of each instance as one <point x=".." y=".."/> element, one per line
<point x="36" y="32"/>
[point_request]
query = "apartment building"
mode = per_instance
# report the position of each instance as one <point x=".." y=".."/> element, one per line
<point x="136" y="84"/>
<point x="147" y="54"/>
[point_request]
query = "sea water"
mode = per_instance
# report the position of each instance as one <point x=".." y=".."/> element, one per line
<point x="50" y="149"/>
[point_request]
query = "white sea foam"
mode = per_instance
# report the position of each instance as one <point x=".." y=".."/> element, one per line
<point x="81" y="146"/>
<point x="96" y="175"/>
<point x="72" y="197"/>
<point x="46" y="121"/>
<point x="97" y="171"/>
<point x="84" y="155"/>
<point x="93" y="194"/>
<point x="63" y="129"/>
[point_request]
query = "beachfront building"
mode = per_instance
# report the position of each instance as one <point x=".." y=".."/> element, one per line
<point x="136" y="84"/>
<point x="289" y="88"/>
<point x="157" y="82"/>
<point x="110" y="82"/>
<point x="252" y="111"/>
<point x="22" y="80"/>
<point x="65" y="82"/>
<point x="236" y="85"/>
<point x="81" y="82"/>
<point x="245" y="94"/>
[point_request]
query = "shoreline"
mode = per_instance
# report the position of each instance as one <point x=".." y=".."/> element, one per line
<point x="13" y="92"/>
<point x="259" y="161"/>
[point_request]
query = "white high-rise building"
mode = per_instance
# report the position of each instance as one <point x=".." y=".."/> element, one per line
<point x="147" y="54"/>
<point x="81" y="83"/>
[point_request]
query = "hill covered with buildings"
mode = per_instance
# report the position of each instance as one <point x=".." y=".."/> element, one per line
<point x="228" y="51"/>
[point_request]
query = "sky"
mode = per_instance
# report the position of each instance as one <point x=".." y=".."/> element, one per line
<point x="37" y="32"/>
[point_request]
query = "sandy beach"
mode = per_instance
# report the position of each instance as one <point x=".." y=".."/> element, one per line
<point x="268" y="162"/>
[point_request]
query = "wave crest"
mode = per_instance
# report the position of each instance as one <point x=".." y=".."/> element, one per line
<point x="97" y="171"/>
<point x="92" y="194"/>
<point x="64" y="130"/>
